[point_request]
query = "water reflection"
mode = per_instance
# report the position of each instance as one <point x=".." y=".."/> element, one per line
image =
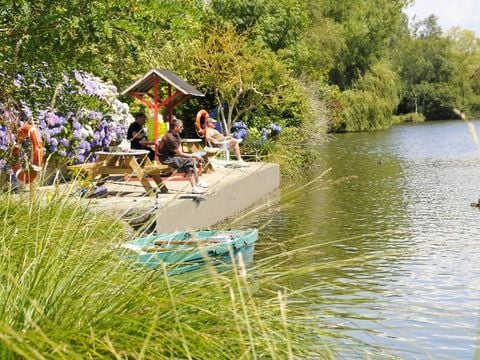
<point x="394" y="240"/>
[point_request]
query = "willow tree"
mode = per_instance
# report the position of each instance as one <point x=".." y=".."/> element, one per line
<point x="373" y="99"/>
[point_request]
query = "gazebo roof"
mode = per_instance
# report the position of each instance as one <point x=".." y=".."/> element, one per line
<point x="145" y="84"/>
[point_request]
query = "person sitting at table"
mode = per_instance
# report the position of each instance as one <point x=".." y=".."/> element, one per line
<point x="136" y="134"/>
<point x="171" y="153"/>
<point x="217" y="139"/>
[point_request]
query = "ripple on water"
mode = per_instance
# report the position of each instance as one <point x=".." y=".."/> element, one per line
<point x="402" y="244"/>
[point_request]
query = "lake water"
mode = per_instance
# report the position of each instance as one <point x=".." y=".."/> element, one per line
<point x="393" y="239"/>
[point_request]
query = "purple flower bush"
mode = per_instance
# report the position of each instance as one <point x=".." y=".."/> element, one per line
<point x="239" y="130"/>
<point x="9" y="120"/>
<point x="5" y="142"/>
<point x="74" y="136"/>
<point x="272" y="131"/>
<point x="70" y="129"/>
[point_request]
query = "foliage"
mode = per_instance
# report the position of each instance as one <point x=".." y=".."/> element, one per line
<point x="373" y="99"/>
<point x="410" y="117"/>
<point x="102" y="37"/>
<point x="9" y="125"/>
<point x="329" y="103"/>
<point x="277" y="24"/>
<point x="244" y="76"/>
<point x="71" y="131"/>
<point x="466" y="53"/>
<point x="437" y="100"/>
<point x="438" y="71"/>
<point x="318" y="51"/>
<point x="67" y="291"/>
<point x="367" y="28"/>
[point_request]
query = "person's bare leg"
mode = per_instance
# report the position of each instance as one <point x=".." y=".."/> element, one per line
<point x="195" y="171"/>
<point x="191" y="178"/>
<point x="236" y="149"/>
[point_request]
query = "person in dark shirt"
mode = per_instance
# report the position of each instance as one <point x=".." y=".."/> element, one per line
<point x="171" y="153"/>
<point x="136" y="133"/>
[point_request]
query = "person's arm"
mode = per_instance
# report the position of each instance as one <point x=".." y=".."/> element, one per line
<point x="139" y="134"/>
<point x="179" y="151"/>
<point x="174" y="145"/>
<point x="135" y="131"/>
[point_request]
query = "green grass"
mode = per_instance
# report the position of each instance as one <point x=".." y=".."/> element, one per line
<point x="66" y="293"/>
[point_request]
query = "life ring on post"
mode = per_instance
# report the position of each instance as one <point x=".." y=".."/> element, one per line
<point x="35" y="165"/>
<point x="202" y="117"/>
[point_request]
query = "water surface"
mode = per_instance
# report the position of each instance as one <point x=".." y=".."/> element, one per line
<point x="394" y="238"/>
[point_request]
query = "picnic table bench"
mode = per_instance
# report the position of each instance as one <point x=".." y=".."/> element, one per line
<point x="130" y="163"/>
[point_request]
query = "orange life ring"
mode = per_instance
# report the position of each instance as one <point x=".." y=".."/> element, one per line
<point x="202" y="117"/>
<point x="32" y="133"/>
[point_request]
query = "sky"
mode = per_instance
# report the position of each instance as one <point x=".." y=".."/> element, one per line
<point x="463" y="13"/>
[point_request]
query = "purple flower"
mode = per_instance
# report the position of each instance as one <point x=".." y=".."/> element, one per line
<point x="78" y="75"/>
<point x="240" y="133"/>
<point x="264" y="134"/>
<point x="85" y="145"/>
<point x="275" y="129"/>
<point x="239" y="125"/>
<point x="52" y="119"/>
<point x="18" y="80"/>
<point x="77" y="125"/>
<point x="26" y="110"/>
<point x="80" y="158"/>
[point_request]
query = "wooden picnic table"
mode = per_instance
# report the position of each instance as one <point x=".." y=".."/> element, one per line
<point x="130" y="163"/>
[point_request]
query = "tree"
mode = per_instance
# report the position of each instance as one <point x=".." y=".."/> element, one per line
<point x="430" y="71"/>
<point x="278" y="24"/>
<point x="103" y="37"/>
<point x="242" y="74"/>
<point x="368" y="28"/>
<point x="373" y="99"/>
<point x="466" y="53"/>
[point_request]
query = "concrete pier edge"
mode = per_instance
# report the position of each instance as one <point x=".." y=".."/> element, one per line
<point x="231" y="192"/>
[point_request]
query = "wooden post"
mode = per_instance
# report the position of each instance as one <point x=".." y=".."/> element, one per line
<point x="155" y="116"/>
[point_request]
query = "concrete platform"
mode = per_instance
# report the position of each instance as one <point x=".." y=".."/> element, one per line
<point x="231" y="191"/>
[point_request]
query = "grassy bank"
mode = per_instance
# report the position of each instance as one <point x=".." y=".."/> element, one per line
<point x="66" y="293"/>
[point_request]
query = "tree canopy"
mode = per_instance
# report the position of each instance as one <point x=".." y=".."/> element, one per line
<point x="254" y="59"/>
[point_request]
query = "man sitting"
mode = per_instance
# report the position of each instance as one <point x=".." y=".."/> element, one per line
<point x="136" y="133"/>
<point x="171" y="153"/>
<point x="216" y="138"/>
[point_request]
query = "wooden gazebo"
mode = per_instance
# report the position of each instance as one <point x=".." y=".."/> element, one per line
<point x="172" y="87"/>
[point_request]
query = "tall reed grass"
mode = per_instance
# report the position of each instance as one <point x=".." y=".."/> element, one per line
<point x="66" y="293"/>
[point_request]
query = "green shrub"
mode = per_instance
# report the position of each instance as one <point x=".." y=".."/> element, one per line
<point x="410" y="117"/>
